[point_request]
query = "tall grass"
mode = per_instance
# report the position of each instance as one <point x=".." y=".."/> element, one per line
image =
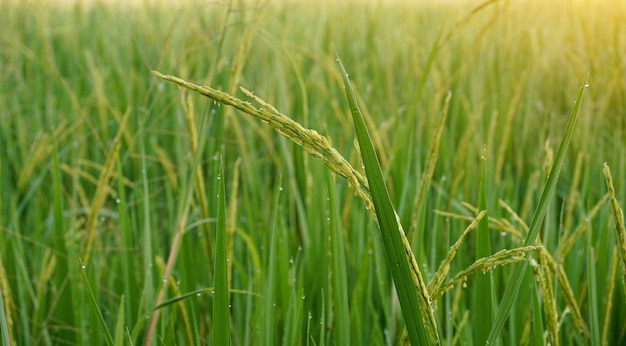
<point x="465" y="105"/>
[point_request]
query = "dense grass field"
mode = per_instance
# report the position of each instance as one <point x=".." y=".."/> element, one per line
<point x="134" y="211"/>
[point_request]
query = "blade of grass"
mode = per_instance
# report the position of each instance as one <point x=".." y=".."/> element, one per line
<point x="221" y="302"/>
<point x="269" y="331"/>
<point x="420" y="325"/>
<point x="592" y="293"/>
<point x="181" y="222"/>
<point x="62" y="273"/>
<point x="339" y="277"/>
<point x="512" y="288"/>
<point x="419" y="205"/>
<point x="537" y="320"/>
<point x="119" y="324"/>
<point x="131" y="288"/>
<point x="107" y="334"/>
<point x="483" y="290"/>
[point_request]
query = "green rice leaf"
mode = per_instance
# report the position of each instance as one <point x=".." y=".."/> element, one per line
<point x="119" y="324"/>
<point x="94" y="303"/>
<point x="512" y="288"/>
<point x="397" y="255"/>
<point x="339" y="278"/>
<point x="221" y="301"/>
<point x="483" y="288"/>
<point x="537" y="321"/>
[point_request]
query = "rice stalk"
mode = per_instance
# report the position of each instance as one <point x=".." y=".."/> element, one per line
<point x="544" y="277"/>
<point x="574" y="193"/>
<point x="181" y="221"/>
<point x="618" y="215"/>
<point x="506" y="130"/>
<point x="484" y="265"/>
<point x="310" y="140"/>
<point x="410" y="286"/>
<point x="608" y="301"/>
<point x="231" y="218"/>
<point x="568" y="242"/>
<point x="547" y="261"/>
<point x="102" y="187"/>
<point x="200" y="187"/>
<point x="441" y="273"/>
<point x="427" y="175"/>
<point x="171" y="282"/>
<point x="513" y="286"/>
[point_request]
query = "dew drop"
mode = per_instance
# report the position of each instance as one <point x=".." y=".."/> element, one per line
<point x="280" y="188"/>
<point x="198" y="294"/>
<point x="586" y="84"/>
<point x="83" y="266"/>
<point x="118" y="201"/>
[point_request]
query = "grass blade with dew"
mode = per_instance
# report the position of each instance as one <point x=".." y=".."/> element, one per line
<point x="419" y="321"/>
<point x="107" y="334"/>
<point x="181" y="217"/>
<point x="513" y="286"/>
<point x="483" y="289"/>
<point x="221" y="301"/>
<point x="339" y="277"/>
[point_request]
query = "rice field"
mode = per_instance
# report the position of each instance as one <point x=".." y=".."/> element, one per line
<point x="313" y="173"/>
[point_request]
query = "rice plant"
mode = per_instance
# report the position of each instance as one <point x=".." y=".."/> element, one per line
<point x="307" y="173"/>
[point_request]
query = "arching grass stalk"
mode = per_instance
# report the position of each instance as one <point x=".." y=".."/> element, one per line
<point x="410" y="286"/>
<point x="515" y="282"/>
<point x="414" y="297"/>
